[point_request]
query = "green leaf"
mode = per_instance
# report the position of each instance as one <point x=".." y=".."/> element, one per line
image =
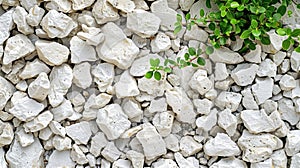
<point x="295" y="33"/>
<point x="177" y="29"/>
<point x="186" y="56"/>
<point x="172" y="62"/>
<point x="208" y="4"/>
<point x="149" y="74"/>
<point x="202" y="12"/>
<point x="286" y="44"/>
<point x="199" y="51"/>
<point x="154" y="62"/>
<point x="194" y="65"/>
<point x="209" y="50"/>
<point x="192" y="51"/>
<point x="298" y="6"/>
<point x="256" y="33"/>
<point x="261" y="9"/>
<point x="157" y="75"/>
<point x="223" y="13"/>
<point x="265" y="40"/>
<point x="189" y="26"/>
<point x="223" y="41"/>
<point x="297" y="49"/>
<point x="281" y="31"/>
<point x="178" y="18"/>
<point x="168" y="69"/>
<point x="277" y="16"/>
<point x="254" y="24"/>
<point x="166" y="62"/>
<point x="234" y="4"/>
<point x="188" y="16"/>
<point x="233" y="21"/>
<point x="281" y="10"/>
<point x="201" y="61"/>
<point x="290" y="12"/>
<point x="245" y="34"/>
<point x="212" y="26"/>
<point x="241" y="8"/>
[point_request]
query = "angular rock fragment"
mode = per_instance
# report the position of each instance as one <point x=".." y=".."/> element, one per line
<point x="295" y="161"/>
<point x="33" y="69"/>
<point x="81" y="51"/>
<point x="267" y="68"/>
<point x="103" y="12"/>
<point x="128" y="82"/>
<point x="287" y="82"/>
<point x="163" y="122"/>
<point x="77" y="155"/>
<point x="228" y="100"/>
<point x="25" y="139"/>
<point x="98" y="142"/>
<point x="79" y="132"/>
<point x="287" y="111"/>
<point x="230" y="162"/>
<point x="35" y="15"/>
<point x="188" y="146"/>
<point x="262" y="89"/>
<point x="64" y="6"/>
<point x="39" y="88"/>
<point x="227" y="121"/>
<point x="38" y="123"/>
<point x="244" y="74"/>
<point x="19" y="17"/>
<point x="160" y="43"/>
<point x="111" y="152"/>
<point x="200" y="82"/>
<point x="136" y="158"/>
<point x="61" y="143"/>
<point x="206" y="122"/>
<point x="82" y="76"/>
<point x="126" y="6"/>
<point x="6" y="24"/>
<point x="6" y="133"/>
<point x="63" y="111"/>
<point x="183" y="162"/>
<point x="81" y="4"/>
<point x="165" y="163"/>
<point x="103" y="75"/>
<point x="225" y="55"/>
<point x="167" y="15"/>
<point x="295" y="61"/>
<point x="292" y="145"/>
<point x="6" y="91"/>
<point x="60" y="159"/>
<point x="220" y="71"/>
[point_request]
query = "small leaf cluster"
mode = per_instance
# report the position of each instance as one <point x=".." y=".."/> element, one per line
<point x="191" y="58"/>
<point x="248" y="19"/>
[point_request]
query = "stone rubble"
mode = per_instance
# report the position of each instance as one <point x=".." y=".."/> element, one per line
<point x="73" y="92"/>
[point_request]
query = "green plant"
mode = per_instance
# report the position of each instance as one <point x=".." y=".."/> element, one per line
<point x="248" y="19"/>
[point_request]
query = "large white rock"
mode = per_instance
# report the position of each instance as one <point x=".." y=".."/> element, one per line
<point x="221" y="145"/>
<point x="132" y="109"/>
<point x="39" y="123"/>
<point x="201" y="82"/>
<point x="111" y="152"/>
<point x="61" y="143"/>
<point x="257" y="121"/>
<point x="229" y="163"/>
<point x="166" y="14"/>
<point x="81" y="51"/>
<point x="16" y="47"/>
<point x="295" y="61"/>
<point x="182" y="162"/>
<point x="24" y="108"/>
<point x="206" y="122"/>
<point x="63" y="111"/>
<point x="98" y="142"/>
<point x="103" y="12"/>
<point x="64" y="6"/>
<point x="143" y="23"/>
<point x="117" y="48"/>
<point x="60" y="80"/>
<point x="230" y="100"/>
<point x="52" y="53"/>
<point x="225" y="55"/>
<point x="3" y="162"/>
<point x="152" y="86"/>
<point x="25" y="139"/>
<point x="35" y="15"/>
<point x="288" y="112"/>
<point x="163" y="122"/>
<point x="19" y="17"/>
<point x="153" y="144"/>
<point x="258" y="147"/>
<point x="189" y="146"/>
<point x="78" y="156"/>
<point x="81" y="4"/>
<point x="33" y="69"/>
<point x="79" y="132"/>
<point x="267" y="68"/>
<point x="128" y="82"/>
<point x="103" y="75"/>
<point x="279" y="158"/>
<point x="112" y="121"/>
<point x="126" y="6"/>
<point x="57" y="24"/>
<point x="160" y="43"/>
<point x="244" y="74"/>
<point x="287" y="82"/>
<point x="82" y="75"/>
<point x="136" y="158"/>
<point x="31" y="155"/>
<point x="6" y="24"/>
<point x="292" y="145"/>
<point x="254" y="56"/>
<point x="6" y="133"/>
<point x="196" y="33"/>
<point x="227" y="121"/>
<point x="262" y="89"/>
<point x="295" y="161"/>
<point x="40" y="87"/>
<point x="276" y="42"/>
<point x="91" y="35"/>
<point x="60" y="159"/>
<point x="248" y="100"/>
<point x="6" y="91"/>
<point x="220" y="71"/>
<point x="182" y="106"/>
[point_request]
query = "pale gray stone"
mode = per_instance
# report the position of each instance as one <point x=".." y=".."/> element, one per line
<point x="6" y="24"/>
<point x="230" y="100"/>
<point x="244" y="74"/>
<point x="225" y="55"/>
<point x="229" y="162"/>
<point x="292" y="145"/>
<point x="262" y="89"/>
<point x="6" y="90"/>
<point x="6" y="133"/>
<point x="206" y="122"/>
<point x="79" y="132"/>
<point x="128" y="82"/>
<point x="81" y="51"/>
<point x="60" y="159"/>
<point x="103" y="12"/>
<point x="39" y="123"/>
<point x="227" y="121"/>
<point x="267" y="68"/>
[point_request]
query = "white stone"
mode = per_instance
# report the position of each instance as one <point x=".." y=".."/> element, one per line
<point x="229" y="162"/>
<point x="126" y="6"/>
<point x="112" y="121"/>
<point x="116" y="48"/>
<point x="267" y="68"/>
<point x="60" y="80"/>
<point x="6" y="133"/>
<point x="91" y="35"/>
<point x="25" y="139"/>
<point x="295" y="61"/>
<point x="182" y="106"/>
<point x="128" y="82"/>
<point x="6" y="91"/>
<point x="200" y="82"/>
<point x="24" y="108"/>
<point x="45" y="134"/>
<point x="103" y="75"/>
<point x="163" y="122"/>
<point x="82" y="76"/>
<point x="64" y="6"/>
<point x="161" y="42"/>
<point x="278" y="57"/>
<point x="31" y="155"/>
<point x="248" y="100"/>
<point x="152" y="86"/>
<point x="79" y="132"/>
<point x="164" y="163"/>
<point x="63" y="111"/>
<point x="206" y="122"/>
<point x="132" y="109"/>
<point x="287" y="82"/>
<point x="35" y="15"/>
<point x="60" y="159"/>
<point x="98" y="142"/>
<point x="244" y="74"/>
<point x="196" y="33"/>
<point x="279" y="158"/>
<point x="121" y="163"/>
<point x="61" y="143"/>
<point x="257" y="121"/>
<point x="230" y="100"/>
<point x="225" y="55"/>
<point x="19" y="17"/>
<point x="258" y="147"/>
<point x="16" y="47"/>
<point x="6" y="24"/>
<point x="188" y="146"/>
<point x="167" y="15"/>
<point x="57" y="24"/>
<point x="136" y="158"/>
<point x="39" y="123"/>
<point x="40" y="87"/>
<point x="220" y="71"/>
<point x="57" y="129"/>
<point x="33" y="69"/>
<point x="288" y="112"/>
<point x="98" y="101"/>
<point x="292" y="145"/>
<point x="77" y="155"/>
<point x="143" y="23"/>
<point x="3" y="162"/>
<point x="172" y="142"/>
<point x="295" y="161"/>
<point x="81" y="4"/>
<point x="111" y="152"/>
<point x="52" y="53"/>
<point x="182" y="162"/>
<point x="276" y="42"/>
<point x="153" y="144"/>
<point x="81" y="51"/>
<point x="158" y="105"/>
<point x="103" y="12"/>
<point x="262" y="89"/>
<point x="254" y="56"/>
<point x="203" y="105"/>
<point x="227" y="121"/>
